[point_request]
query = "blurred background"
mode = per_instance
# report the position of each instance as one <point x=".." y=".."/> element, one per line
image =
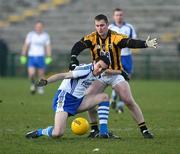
<point x="67" y="21"/>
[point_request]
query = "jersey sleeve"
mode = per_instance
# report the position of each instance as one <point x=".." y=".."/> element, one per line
<point x="82" y="70"/>
<point x="80" y="73"/>
<point x="28" y="38"/>
<point x="119" y="37"/>
<point x="87" y="40"/>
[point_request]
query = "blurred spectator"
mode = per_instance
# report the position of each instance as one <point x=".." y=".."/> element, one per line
<point x="36" y="53"/>
<point x="3" y="57"/>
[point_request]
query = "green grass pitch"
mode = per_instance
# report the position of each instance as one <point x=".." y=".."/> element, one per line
<point x="21" y="112"/>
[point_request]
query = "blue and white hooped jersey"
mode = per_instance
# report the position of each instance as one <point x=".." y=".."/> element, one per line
<point x="83" y="77"/>
<point x="126" y="29"/>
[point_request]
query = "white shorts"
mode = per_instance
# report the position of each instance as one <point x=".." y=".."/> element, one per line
<point x="111" y="79"/>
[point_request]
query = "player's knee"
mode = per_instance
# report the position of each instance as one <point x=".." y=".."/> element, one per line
<point x="128" y="101"/>
<point x="58" y="133"/>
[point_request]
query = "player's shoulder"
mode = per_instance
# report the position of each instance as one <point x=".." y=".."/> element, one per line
<point x="93" y="34"/>
<point x="128" y="25"/>
<point x="114" y="33"/>
<point x="31" y="33"/>
<point x="84" y="67"/>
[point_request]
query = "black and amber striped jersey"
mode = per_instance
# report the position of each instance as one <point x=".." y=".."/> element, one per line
<point x="110" y="46"/>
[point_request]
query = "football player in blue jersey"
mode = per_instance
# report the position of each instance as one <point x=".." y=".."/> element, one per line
<point x="36" y="52"/>
<point x="71" y="98"/>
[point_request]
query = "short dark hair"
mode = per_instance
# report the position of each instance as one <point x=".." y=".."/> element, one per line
<point x="104" y="58"/>
<point x="101" y="17"/>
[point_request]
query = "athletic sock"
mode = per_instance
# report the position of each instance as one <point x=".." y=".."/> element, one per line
<point x="94" y="126"/>
<point x="103" y="113"/>
<point x="142" y="127"/>
<point x="47" y="131"/>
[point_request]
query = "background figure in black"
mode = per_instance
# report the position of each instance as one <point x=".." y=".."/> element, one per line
<point x="3" y="57"/>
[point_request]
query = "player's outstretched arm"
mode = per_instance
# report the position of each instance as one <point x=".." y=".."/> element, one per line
<point x="133" y="43"/>
<point x="54" y="78"/>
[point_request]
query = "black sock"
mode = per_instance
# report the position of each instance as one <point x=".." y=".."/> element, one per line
<point x="94" y="126"/>
<point x="142" y="126"/>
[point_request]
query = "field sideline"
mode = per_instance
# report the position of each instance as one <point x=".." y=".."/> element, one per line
<point x="21" y="112"/>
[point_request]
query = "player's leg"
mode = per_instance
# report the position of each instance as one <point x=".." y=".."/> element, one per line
<point x="52" y="131"/>
<point x="127" y="65"/>
<point x="41" y="66"/>
<point x="102" y="100"/>
<point x="59" y="126"/>
<point x="95" y="88"/>
<point x="124" y="91"/>
<point x="41" y="73"/>
<point x="98" y="86"/>
<point x="89" y="101"/>
<point x="31" y="75"/>
<point x="60" y="103"/>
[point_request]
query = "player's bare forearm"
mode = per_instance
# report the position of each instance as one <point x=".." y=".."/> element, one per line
<point x="53" y="78"/>
<point x="60" y="76"/>
<point x="48" y="50"/>
<point x="25" y="49"/>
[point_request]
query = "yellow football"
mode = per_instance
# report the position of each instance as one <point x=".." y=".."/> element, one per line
<point x="80" y="126"/>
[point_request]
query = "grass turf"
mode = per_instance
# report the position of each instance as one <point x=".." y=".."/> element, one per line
<point x="21" y="112"/>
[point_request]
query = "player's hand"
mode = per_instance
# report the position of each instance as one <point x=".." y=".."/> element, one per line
<point x="48" y="60"/>
<point x="41" y="82"/>
<point x="23" y="60"/>
<point x="125" y="75"/>
<point x="74" y="62"/>
<point x="151" y="42"/>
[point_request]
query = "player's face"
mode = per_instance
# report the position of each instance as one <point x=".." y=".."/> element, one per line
<point x="38" y="27"/>
<point x="101" y="27"/>
<point x="99" y="67"/>
<point x="118" y="16"/>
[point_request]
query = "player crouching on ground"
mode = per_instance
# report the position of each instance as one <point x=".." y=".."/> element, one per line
<point x="70" y="98"/>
